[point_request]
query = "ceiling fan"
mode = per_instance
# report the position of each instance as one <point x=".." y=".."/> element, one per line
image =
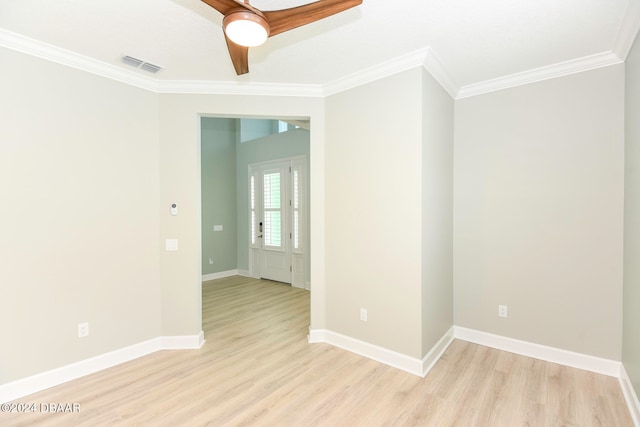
<point x="245" y="26"/>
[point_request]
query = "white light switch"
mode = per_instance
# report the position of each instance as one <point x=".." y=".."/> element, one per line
<point x="218" y="228"/>
<point x="171" y="244"/>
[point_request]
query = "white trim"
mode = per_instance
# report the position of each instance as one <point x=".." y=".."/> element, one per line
<point x="436" y="68"/>
<point x="71" y="59"/>
<point x="389" y="357"/>
<point x="220" y="275"/>
<point x="425" y="57"/>
<point x="630" y="396"/>
<point x="316" y="335"/>
<point x="377" y="72"/>
<point x="182" y="342"/>
<point x="371" y="351"/>
<point x="560" y="69"/>
<point x="246" y="273"/>
<point x="239" y="88"/>
<point x="628" y="30"/>
<point x="35" y="383"/>
<point x="436" y="352"/>
<point x="542" y="352"/>
<point x="49" y="52"/>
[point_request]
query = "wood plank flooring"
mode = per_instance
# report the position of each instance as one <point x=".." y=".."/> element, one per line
<point x="257" y="369"/>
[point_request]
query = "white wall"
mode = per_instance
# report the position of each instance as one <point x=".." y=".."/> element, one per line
<point x="79" y="224"/>
<point x="631" y="332"/>
<point x="437" y="212"/>
<point x="538" y="200"/>
<point x="373" y="212"/>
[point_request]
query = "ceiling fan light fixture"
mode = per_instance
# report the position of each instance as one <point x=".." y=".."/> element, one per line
<point x="246" y="28"/>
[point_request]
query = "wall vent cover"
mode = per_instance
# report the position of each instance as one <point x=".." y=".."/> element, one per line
<point x="130" y="60"/>
<point x="139" y="63"/>
<point x="150" y="67"/>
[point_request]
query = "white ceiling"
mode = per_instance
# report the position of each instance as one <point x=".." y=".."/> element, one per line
<point x="475" y="40"/>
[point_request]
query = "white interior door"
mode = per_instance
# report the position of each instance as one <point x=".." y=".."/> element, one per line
<point x="271" y="191"/>
<point x="277" y="216"/>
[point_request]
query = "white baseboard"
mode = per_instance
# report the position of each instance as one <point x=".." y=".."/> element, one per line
<point x="316" y="335"/>
<point x="246" y="273"/>
<point x="630" y="396"/>
<point x="437" y="351"/>
<point x="183" y="342"/>
<point x="422" y="367"/>
<point x="383" y="355"/>
<point x="35" y="383"/>
<point x="306" y="285"/>
<point x="371" y="351"/>
<point x="220" y="275"/>
<point x="542" y="352"/>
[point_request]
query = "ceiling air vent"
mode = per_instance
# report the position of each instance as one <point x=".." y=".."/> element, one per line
<point x="134" y="62"/>
<point x="139" y="63"/>
<point x="150" y="67"/>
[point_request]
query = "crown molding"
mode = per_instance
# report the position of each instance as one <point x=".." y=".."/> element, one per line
<point x="238" y="88"/>
<point x="539" y="74"/>
<point x="377" y="72"/>
<point x="628" y="31"/>
<point x="71" y="59"/>
<point x="435" y="67"/>
<point x="425" y="57"/>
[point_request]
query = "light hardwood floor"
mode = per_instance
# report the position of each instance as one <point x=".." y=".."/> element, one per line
<point x="257" y="369"/>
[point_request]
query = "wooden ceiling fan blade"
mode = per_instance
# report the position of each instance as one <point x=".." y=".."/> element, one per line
<point x="223" y="6"/>
<point x="239" y="56"/>
<point x="288" y="19"/>
<point x="246" y="5"/>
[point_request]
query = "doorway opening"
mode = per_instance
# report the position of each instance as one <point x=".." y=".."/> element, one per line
<point x="272" y="155"/>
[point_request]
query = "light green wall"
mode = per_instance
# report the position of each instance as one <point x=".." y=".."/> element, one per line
<point x="437" y="212"/>
<point x="218" y="172"/>
<point x="631" y="332"/>
<point x="225" y="161"/>
<point x="272" y="147"/>
<point x="80" y="224"/>
<point x="256" y="128"/>
<point x="538" y="207"/>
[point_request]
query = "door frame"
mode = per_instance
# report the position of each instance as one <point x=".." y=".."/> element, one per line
<point x="299" y="259"/>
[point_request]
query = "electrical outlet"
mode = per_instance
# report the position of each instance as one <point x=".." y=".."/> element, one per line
<point x="363" y="314"/>
<point x="210" y="260"/>
<point x="502" y="310"/>
<point x="83" y="330"/>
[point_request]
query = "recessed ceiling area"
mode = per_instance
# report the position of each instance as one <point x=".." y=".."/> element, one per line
<point x="474" y="42"/>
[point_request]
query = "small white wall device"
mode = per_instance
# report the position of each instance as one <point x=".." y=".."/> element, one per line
<point x="174" y="209"/>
